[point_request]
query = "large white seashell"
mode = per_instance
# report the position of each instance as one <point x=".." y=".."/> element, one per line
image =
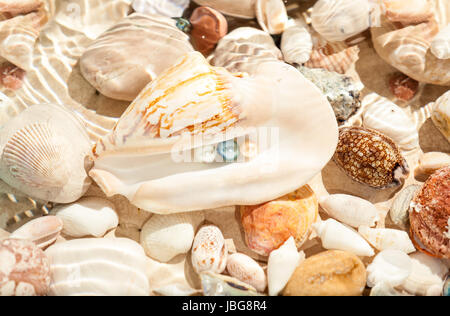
<point x="247" y="270"/>
<point x="426" y="277"/>
<point x="243" y="49"/>
<point x="271" y="15"/>
<point x="166" y="236"/>
<point x="386" y="117"/>
<point x="440" y="46"/>
<point x="209" y="251"/>
<point x="336" y="236"/>
<point x="389" y="266"/>
<point x="350" y="210"/>
<point x="89" y="216"/>
<point x="338" y="20"/>
<point x="42" y="231"/>
<point x="441" y="114"/>
<point x="296" y="45"/>
<point x="242" y="9"/>
<point x="98" y="266"/>
<point x="143" y="157"/>
<point x="386" y="238"/>
<point x="169" y="8"/>
<point x="282" y="264"/>
<point x="44" y="153"/>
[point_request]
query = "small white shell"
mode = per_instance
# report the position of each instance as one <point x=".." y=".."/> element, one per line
<point x="440" y="46"/>
<point x="209" y="251"/>
<point x="169" y="8"/>
<point x="42" y="231"/>
<point x="98" y="266"/>
<point x="90" y="216"/>
<point x="386" y="117"/>
<point x="271" y="15"/>
<point x="386" y="238"/>
<point x="336" y="236"/>
<point x="281" y="265"/>
<point x="430" y="162"/>
<point x="441" y="114"/>
<point x="166" y="236"/>
<point x="247" y="270"/>
<point x="390" y="266"/>
<point x="296" y="45"/>
<point x="350" y="210"/>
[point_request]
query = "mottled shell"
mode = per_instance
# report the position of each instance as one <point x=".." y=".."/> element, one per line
<point x="399" y="211"/>
<point x="328" y="273"/>
<point x="430" y="162"/>
<point x="44" y="153"/>
<point x="440" y="46"/>
<point x="24" y="269"/>
<point x="208" y="27"/>
<point x="370" y="157"/>
<point x="387" y="238"/>
<point x="247" y="270"/>
<point x="389" y="119"/>
<point x="89" y="216"/>
<point x="271" y="15"/>
<point x="336" y="236"/>
<point x="389" y="266"/>
<point x="209" y="251"/>
<point x="429" y="214"/>
<point x="441" y="114"/>
<point x="42" y="231"/>
<point x="242" y="9"/>
<point x="98" y="266"/>
<point x="296" y="45"/>
<point x="153" y="41"/>
<point x="350" y="210"/>
<point x="267" y="226"/>
<point x="214" y="284"/>
<point x="169" y="8"/>
<point x="166" y="236"/>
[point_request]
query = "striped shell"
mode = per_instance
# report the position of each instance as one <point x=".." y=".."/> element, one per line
<point x="296" y="45"/>
<point x="370" y="157"/>
<point x="441" y="114"/>
<point x="440" y="46"/>
<point x="42" y="231"/>
<point x="387" y="238"/>
<point x="209" y="251"/>
<point x="271" y="15"/>
<point x="247" y="270"/>
<point x="169" y="8"/>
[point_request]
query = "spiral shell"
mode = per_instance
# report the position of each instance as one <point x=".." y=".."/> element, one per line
<point x="296" y="45"/>
<point x="271" y="15"/>
<point x="247" y="270"/>
<point x="209" y="251"/>
<point x="441" y="114"/>
<point x="386" y="238"/>
<point x="42" y="231"/>
<point x="389" y="266"/>
<point x="440" y="46"/>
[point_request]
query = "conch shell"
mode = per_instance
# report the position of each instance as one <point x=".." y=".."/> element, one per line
<point x="147" y="155"/>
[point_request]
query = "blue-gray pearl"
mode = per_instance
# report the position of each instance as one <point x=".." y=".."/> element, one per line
<point x="228" y="150"/>
<point x="183" y="24"/>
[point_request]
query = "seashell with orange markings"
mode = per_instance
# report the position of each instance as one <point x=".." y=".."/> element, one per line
<point x="42" y="231"/>
<point x="410" y="12"/>
<point x="271" y="15"/>
<point x="440" y="46"/>
<point x="244" y="9"/>
<point x="296" y="44"/>
<point x="247" y="270"/>
<point x="387" y="238"/>
<point x="24" y="269"/>
<point x="169" y="8"/>
<point x="267" y="226"/>
<point x="430" y="162"/>
<point x="209" y="251"/>
<point x="441" y="114"/>
<point x="389" y="266"/>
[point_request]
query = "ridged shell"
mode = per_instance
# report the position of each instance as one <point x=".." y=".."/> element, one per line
<point x="267" y="226"/>
<point x="389" y="266"/>
<point x="350" y="210"/>
<point x="387" y="238"/>
<point x="296" y="45"/>
<point x="336" y="236"/>
<point x="247" y="270"/>
<point x="89" y="216"/>
<point x="209" y="251"/>
<point x="431" y="162"/>
<point x="98" y="266"/>
<point x="440" y="46"/>
<point x="221" y="285"/>
<point x="45" y="154"/>
<point x="166" y="236"/>
<point x="242" y="9"/>
<point x="370" y="157"/>
<point x="411" y="12"/>
<point x="389" y="119"/>
<point x="169" y="8"/>
<point x="42" y="231"/>
<point x="271" y="15"/>
<point x="399" y="211"/>
<point x="282" y="264"/>
<point x="441" y="114"/>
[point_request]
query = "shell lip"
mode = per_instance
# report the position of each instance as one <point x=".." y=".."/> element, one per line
<point x="420" y="246"/>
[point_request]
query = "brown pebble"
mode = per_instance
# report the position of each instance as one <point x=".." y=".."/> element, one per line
<point x="403" y="87"/>
<point x="208" y="27"/>
<point x="11" y="76"/>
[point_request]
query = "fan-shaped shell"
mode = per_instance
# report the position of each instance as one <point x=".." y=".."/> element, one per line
<point x="209" y="251"/>
<point x="42" y="231"/>
<point x="440" y="46"/>
<point x="441" y="114"/>
<point x="124" y="59"/>
<point x="169" y="8"/>
<point x="389" y="266"/>
<point x="45" y="154"/>
<point x="242" y="9"/>
<point x="271" y="15"/>
<point x="296" y="45"/>
<point x="387" y="238"/>
<point x="98" y="266"/>
<point x="247" y="270"/>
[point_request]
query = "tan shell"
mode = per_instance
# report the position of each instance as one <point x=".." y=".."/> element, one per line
<point x="247" y="270"/>
<point x="209" y="251"/>
<point x="441" y="114"/>
<point x="42" y="231"/>
<point x="271" y="15"/>
<point x="242" y="9"/>
<point x="431" y="162"/>
<point x="410" y="12"/>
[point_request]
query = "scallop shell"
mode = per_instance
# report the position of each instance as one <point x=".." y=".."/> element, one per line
<point x="42" y="231"/>
<point x="389" y="119"/>
<point x="371" y="158"/>
<point x="89" y="216"/>
<point x="193" y="101"/>
<point x="386" y="238"/>
<point x="98" y="266"/>
<point x="106" y="63"/>
<point x="440" y="46"/>
<point x="271" y="15"/>
<point x="247" y="270"/>
<point x="209" y="251"/>
<point x="441" y="114"/>
<point x="45" y="154"/>
<point x="282" y="264"/>
<point x="243" y="49"/>
<point x="221" y="285"/>
<point x="169" y="8"/>
<point x="399" y="212"/>
<point x="350" y="210"/>
<point x="241" y="9"/>
<point x="430" y="162"/>
<point x="411" y="12"/>
<point x="267" y="226"/>
<point x="296" y="45"/>
<point x="335" y="236"/>
<point x="166" y="236"/>
<point x="340" y="19"/>
<point x="389" y="266"/>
